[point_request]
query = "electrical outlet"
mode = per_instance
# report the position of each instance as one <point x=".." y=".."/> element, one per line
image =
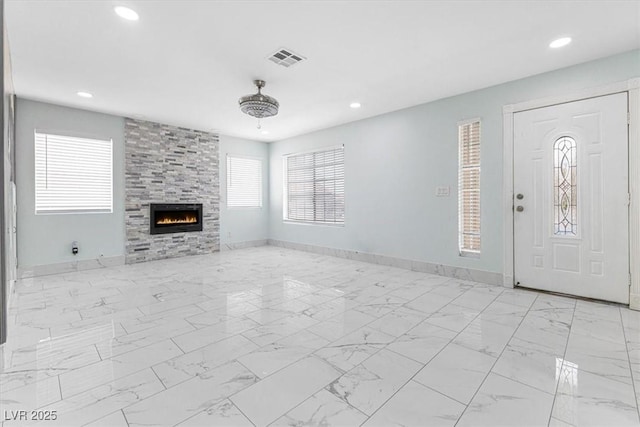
<point x="442" y="191"/>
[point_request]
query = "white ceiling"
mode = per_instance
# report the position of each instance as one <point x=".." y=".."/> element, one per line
<point x="187" y="62"/>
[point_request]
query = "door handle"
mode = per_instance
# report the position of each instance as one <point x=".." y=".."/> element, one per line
<point x="519" y="208"/>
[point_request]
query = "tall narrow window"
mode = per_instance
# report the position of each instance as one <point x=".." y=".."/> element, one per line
<point x="244" y="182"/>
<point x="73" y="175"/>
<point x="315" y="187"/>
<point x="469" y="188"/>
<point x="565" y="188"/>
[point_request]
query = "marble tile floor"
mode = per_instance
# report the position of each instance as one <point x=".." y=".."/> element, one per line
<point x="271" y="336"/>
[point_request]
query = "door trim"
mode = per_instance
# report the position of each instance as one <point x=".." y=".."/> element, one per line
<point x="632" y="88"/>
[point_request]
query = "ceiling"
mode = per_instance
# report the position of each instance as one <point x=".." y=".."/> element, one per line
<point x="187" y="62"/>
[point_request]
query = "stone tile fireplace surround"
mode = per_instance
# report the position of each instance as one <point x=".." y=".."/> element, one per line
<point x="168" y="164"/>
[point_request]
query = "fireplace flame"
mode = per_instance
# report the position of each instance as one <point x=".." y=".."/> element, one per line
<point x="187" y="219"/>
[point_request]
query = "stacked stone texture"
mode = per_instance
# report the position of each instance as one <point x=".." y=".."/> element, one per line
<point x="168" y="164"/>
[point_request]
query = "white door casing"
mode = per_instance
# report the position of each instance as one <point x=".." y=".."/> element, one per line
<point x="588" y="253"/>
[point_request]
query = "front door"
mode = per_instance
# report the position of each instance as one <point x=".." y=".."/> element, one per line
<point x="571" y="198"/>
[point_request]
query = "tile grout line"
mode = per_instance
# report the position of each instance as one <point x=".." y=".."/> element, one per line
<point x="426" y="320"/>
<point x="318" y="391"/>
<point x="124" y="328"/>
<point x="60" y="389"/>
<point x="520" y="382"/>
<point x="158" y="376"/>
<point x="441" y="393"/>
<point x="566" y="348"/>
<point x="167" y="388"/>
<point x="195" y="329"/>
<point x="236" y="392"/>
<point x="496" y="361"/>
<point x="312" y="354"/>
<point x="207" y="409"/>
<point x="179" y="348"/>
<point x="442" y="349"/>
<point x="424" y="316"/>
<point x="240" y="410"/>
<point x="99" y="355"/>
<point x="125" y="417"/>
<point x="309" y="354"/>
<point x="626" y="345"/>
<point x="348" y="333"/>
<point x="111" y="358"/>
<point x="108" y="415"/>
<point x="427" y="316"/>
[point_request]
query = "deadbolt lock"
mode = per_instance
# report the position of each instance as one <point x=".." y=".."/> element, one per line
<point x="520" y="196"/>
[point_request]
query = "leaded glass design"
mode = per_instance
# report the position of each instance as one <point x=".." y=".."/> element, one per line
<point x="565" y="191"/>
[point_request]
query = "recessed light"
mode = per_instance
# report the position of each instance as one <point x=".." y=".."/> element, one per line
<point x="265" y="132"/>
<point x="561" y="42"/>
<point x="84" y="94"/>
<point x="126" y="13"/>
<point x="355" y="105"/>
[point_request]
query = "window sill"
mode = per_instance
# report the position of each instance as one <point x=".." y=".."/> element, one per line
<point x="313" y="223"/>
<point x="469" y="254"/>
<point x="74" y="212"/>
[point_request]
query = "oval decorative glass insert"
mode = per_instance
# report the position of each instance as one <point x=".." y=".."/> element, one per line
<point x="564" y="205"/>
<point x="565" y="167"/>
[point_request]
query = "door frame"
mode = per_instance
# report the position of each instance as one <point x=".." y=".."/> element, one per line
<point x="632" y="88"/>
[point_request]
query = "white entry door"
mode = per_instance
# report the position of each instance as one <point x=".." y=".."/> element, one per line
<point x="571" y="198"/>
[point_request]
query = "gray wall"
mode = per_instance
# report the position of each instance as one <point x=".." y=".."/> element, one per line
<point x="46" y="239"/>
<point x="394" y="162"/>
<point x="243" y="224"/>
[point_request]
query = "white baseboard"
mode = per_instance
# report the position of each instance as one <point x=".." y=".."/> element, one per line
<point x="242" y="245"/>
<point x="421" y="266"/>
<point x="68" y="267"/>
<point x="10" y="295"/>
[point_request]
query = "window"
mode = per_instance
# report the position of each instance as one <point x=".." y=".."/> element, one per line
<point x="73" y="175"/>
<point x="315" y="187"/>
<point x="565" y="188"/>
<point x="244" y="182"/>
<point x="469" y="187"/>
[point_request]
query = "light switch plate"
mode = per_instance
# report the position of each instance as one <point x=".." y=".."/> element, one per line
<point x="442" y="191"/>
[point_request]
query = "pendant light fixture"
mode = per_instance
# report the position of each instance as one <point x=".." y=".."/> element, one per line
<point x="259" y="105"/>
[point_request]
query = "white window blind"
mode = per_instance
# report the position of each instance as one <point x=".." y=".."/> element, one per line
<point x="315" y="187"/>
<point x="469" y="187"/>
<point x="73" y="175"/>
<point x="244" y="182"/>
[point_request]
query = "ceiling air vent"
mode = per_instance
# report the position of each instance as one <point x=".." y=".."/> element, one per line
<point x="285" y="57"/>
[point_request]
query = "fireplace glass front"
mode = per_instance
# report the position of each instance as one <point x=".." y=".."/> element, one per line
<point x="175" y="217"/>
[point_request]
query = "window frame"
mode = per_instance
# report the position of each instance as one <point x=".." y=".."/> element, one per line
<point x="462" y="251"/>
<point x="241" y="156"/>
<point x="73" y="135"/>
<point x="285" y="189"/>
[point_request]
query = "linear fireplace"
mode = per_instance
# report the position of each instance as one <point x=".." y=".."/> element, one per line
<point x="175" y="217"/>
